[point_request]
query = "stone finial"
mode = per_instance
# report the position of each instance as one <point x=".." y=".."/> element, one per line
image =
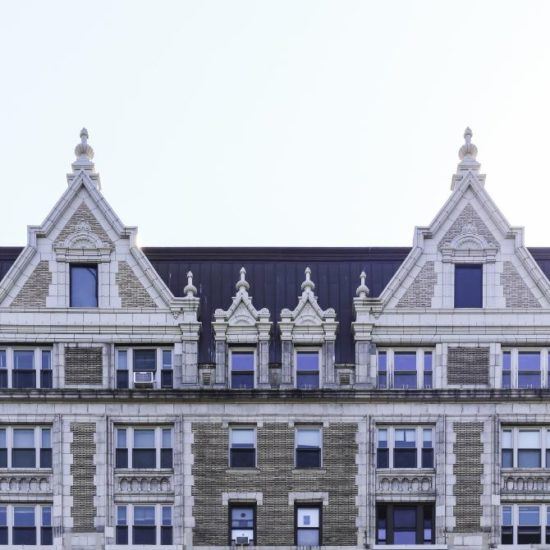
<point x="468" y="163"/>
<point x="190" y="290"/>
<point x="308" y="283"/>
<point x="242" y="283"/>
<point x="363" y="290"/>
<point x="83" y="150"/>
<point x="468" y="151"/>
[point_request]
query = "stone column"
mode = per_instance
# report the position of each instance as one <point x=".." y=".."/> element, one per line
<point x="221" y="363"/>
<point x="329" y="357"/>
<point x="287" y="379"/>
<point x="263" y="364"/>
<point x="362" y="362"/>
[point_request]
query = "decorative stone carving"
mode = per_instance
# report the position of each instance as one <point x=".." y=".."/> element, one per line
<point x="190" y="328"/>
<point x="409" y="483"/>
<point x="308" y="324"/>
<point x="531" y="482"/>
<point x="146" y="483"/>
<point x="242" y="324"/>
<point x="25" y="483"/>
<point x="362" y="334"/>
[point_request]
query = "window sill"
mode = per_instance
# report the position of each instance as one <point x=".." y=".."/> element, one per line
<point x="406" y="470"/>
<point x="409" y="546"/>
<point x="309" y="471"/>
<point x="19" y="471"/>
<point x="144" y="470"/>
<point x="242" y="470"/>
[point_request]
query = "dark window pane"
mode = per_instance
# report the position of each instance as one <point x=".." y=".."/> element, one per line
<point x="23" y="360"/>
<point x="404" y="525"/>
<point x="507" y="458"/>
<point x="46" y="536"/>
<point x="166" y="378"/>
<point x="121" y="379"/>
<point x="404" y="362"/>
<point x="242" y="380"/>
<point x="428" y="525"/>
<point x="528" y="380"/>
<point x="3" y="378"/>
<point x="121" y="534"/>
<point x="121" y="458"/>
<point x="3" y="536"/>
<point x="404" y="381"/>
<point x="428" y="380"/>
<point x="166" y="458"/>
<point x="381" y="524"/>
<point x="308" y="458"/>
<point x="427" y="458"/>
<point x="166" y="535"/>
<point x="83" y="285"/>
<point x="506" y="380"/>
<point x="382" y="381"/>
<point x="144" y="458"/>
<point x="45" y="458"/>
<point x="307" y="537"/>
<point x="529" y="458"/>
<point x="24" y="379"/>
<point x="243" y="458"/>
<point x="528" y="361"/>
<point x="307" y="381"/>
<point x="144" y="534"/>
<point x="507" y="535"/>
<point x="468" y="285"/>
<point x="24" y="535"/>
<point x="529" y="535"/>
<point x="307" y="361"/>
<point x="404" y="458"/>
<point x="3" y="458"/>
<point x="242" y="361"/>
<point x="46" y="379"/>
<point x="23" y="458"/>
<point x="145" y="359"/>
<point x="383" y="458"/>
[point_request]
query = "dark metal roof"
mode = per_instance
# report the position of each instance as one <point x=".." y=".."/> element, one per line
<point x="275" y="276"/>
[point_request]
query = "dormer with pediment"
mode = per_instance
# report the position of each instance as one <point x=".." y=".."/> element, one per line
<point x="308" y="329"/>
<point x="242" y="328"/>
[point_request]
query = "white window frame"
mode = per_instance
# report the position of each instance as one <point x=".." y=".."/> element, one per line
<point x="37" y="443"/>
<point x="10" y="520"/>
<point x="299" y="427"/>
<point x="242" y="427"/>
<point x="544" y="432"/>
<point x="244" y="349"/>
<point x="544" y="510"/>
<point x="130" y="362"/>
<point x="130" y="519"/>
<point x="514" y="365"/>
<point x="390" y="363"/>
<point x="390" y="430"/>
<point x="308" y="349"/>
<point x="37" y="361"/>
<point x="130" y="431"/>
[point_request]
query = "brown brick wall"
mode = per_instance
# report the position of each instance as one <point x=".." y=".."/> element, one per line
<point x="516" y="293"/>
<point x="83" y="366"/>
<point x="132" y="293"/>
<point x="35" y="290"/>
<point x="83" y="488"/>
<point x="421" y="291"/>
<point x="82" y="214"/>
<point x="275" y="480"/>
<point x="468" y="470"/>
<point x="467" y="365"/>
<point x="468" y="216"/>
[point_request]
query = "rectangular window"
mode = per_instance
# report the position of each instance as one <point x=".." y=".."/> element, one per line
<point x="428" y="373"/>
<point x="507" y="449"/>
<point x="308" y="447"/>
<point x="23" y="454"/>
<point x="166" y="535"/>
<point x="242" y="369"/>
<point x="405" y="524"/>
<point x="506" y="370"/>
<point x="529" y="370"/>
<point x="525" y="524"/>
<point x="45" y="448"/>
<point x="529" y="449"/>
<point x="143" y="448"/>
<point x="27" y="525"/>
<point x="242" y="521"/>
<point x="121" y="525"/>
<point x="24" y="373"/>
<point x="468" y="285"/>
<point x="83" y="282"/>
<point x="308" y="525"/>
<point x="404" y="370"/>
<point x="307" y="370"/>
<point x="151" y="524"/>
<point x="525" y="447"/>
<point x="405" y="447"/>
<point x="46" y="369"/>
<point x="25" y="368"/>
<point x="24" y="526"/>
<point x="242" y="452"/>
<point x="25" y="447"/>
<point x="144" y="368"/>
<point x="4" y="536"/>
<point x="167" y="372"/>
<point x="507" y="529"/>
<point x="3" y="369"/>
<point x="46" y="534"/>
<point x="529" y="529"/>
<point x="144" y="529"/>
<point x="382" y="370"/>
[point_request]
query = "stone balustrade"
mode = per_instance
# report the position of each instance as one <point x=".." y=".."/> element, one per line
<point x="411" y="482"/>
<point x="525" y="481"/>
<point x="144" y="483"/>
<point x="25" y="482"/>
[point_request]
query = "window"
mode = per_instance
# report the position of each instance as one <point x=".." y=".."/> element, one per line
<point x="405" y="369"/>
<point x="528" y="369"/>
<point x="522" y="368"/>
<point x="308" y="447"/>
<point x="25" y="368"/>
<point x="242" y="451"/>
<point x="525" y="524"/>
<point x="524" y="447"/>
<point x="308" y="525"/>
<point x="83" y="285"/>
<point x="468" y="285"/>
<point x="151" y="524"/>
<point x="25" y="447"/>
<point x="242" y="522"/>
<point x="242" y="369"/>
<point x="307" y="369"/>
<point x="506" y="369"/>
<point x="149" y="448"/>
<point x="26" y="525"/>
<point x="405" y="447"/>
<point x="137" y="367"/>
<point x="405" y="524"/>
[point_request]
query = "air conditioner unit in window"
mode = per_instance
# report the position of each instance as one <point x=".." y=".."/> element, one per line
<point x="144" y="379"/>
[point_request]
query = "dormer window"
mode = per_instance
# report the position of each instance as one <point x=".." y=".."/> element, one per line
<point x="83" y="285"/>
<point x="307" y="369"/>
<point x="242" y="369"/>
<point x="468" y="285"/>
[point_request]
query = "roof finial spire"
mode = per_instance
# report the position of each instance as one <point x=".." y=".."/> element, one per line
<point x="190" y="290"/>
<point x="468" y="163"/>
<point x="308" y="284"/>
<point x="363" y="290"/>
<point x="242" y="283"/>
<point x="84" y="155"/>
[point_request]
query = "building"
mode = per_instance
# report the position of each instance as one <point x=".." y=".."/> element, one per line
<point x="148" y="400"/>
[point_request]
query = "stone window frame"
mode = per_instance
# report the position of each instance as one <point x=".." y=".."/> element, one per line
<point x="514" y="361"/>
<point x="129" y="349"/>
<point x="308" y="504"/>
<point x="544" y="445"/>
<point x="37" y="362"/>
<point x="419" y="505"/>
<point x="242" y="349"/>
<point x="242" y="426"/>
<point x="300" y="349"/>
<point x="308" y="426"/>
<point x="131" y="428"/>
<point x="38" y="429"/>
<point x="419" y="427"/>
<point x="236" y="504"/>
<point x="544" y="516"/>
<point x="129" y="505"/>
<point x="420" y="352"/>
<point x="38" y="521"/>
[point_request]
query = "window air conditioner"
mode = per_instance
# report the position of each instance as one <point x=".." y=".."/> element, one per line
<point x="242" y="540"/>
<point x="144" y="379"/>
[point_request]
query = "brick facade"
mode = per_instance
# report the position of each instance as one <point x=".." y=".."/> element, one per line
<point x="83" y="365"/>
<point x="132" y="292"/>
<point x="468" y="217"/>
<point x="82" y="215"/>
<point x="516" y="292"/>
<point x="467" y="365"/>
<point x="35" y="290"/>
<point x="421" y="291"/>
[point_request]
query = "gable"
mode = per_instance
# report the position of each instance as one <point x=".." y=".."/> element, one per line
<point x="82" y="217"/>
<point x="468" y="222"/>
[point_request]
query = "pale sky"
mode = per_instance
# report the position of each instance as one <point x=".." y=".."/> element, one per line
<point x="298" y="123"/>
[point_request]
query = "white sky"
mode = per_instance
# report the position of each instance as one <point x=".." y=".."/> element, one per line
<point x="299" y="123"/>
